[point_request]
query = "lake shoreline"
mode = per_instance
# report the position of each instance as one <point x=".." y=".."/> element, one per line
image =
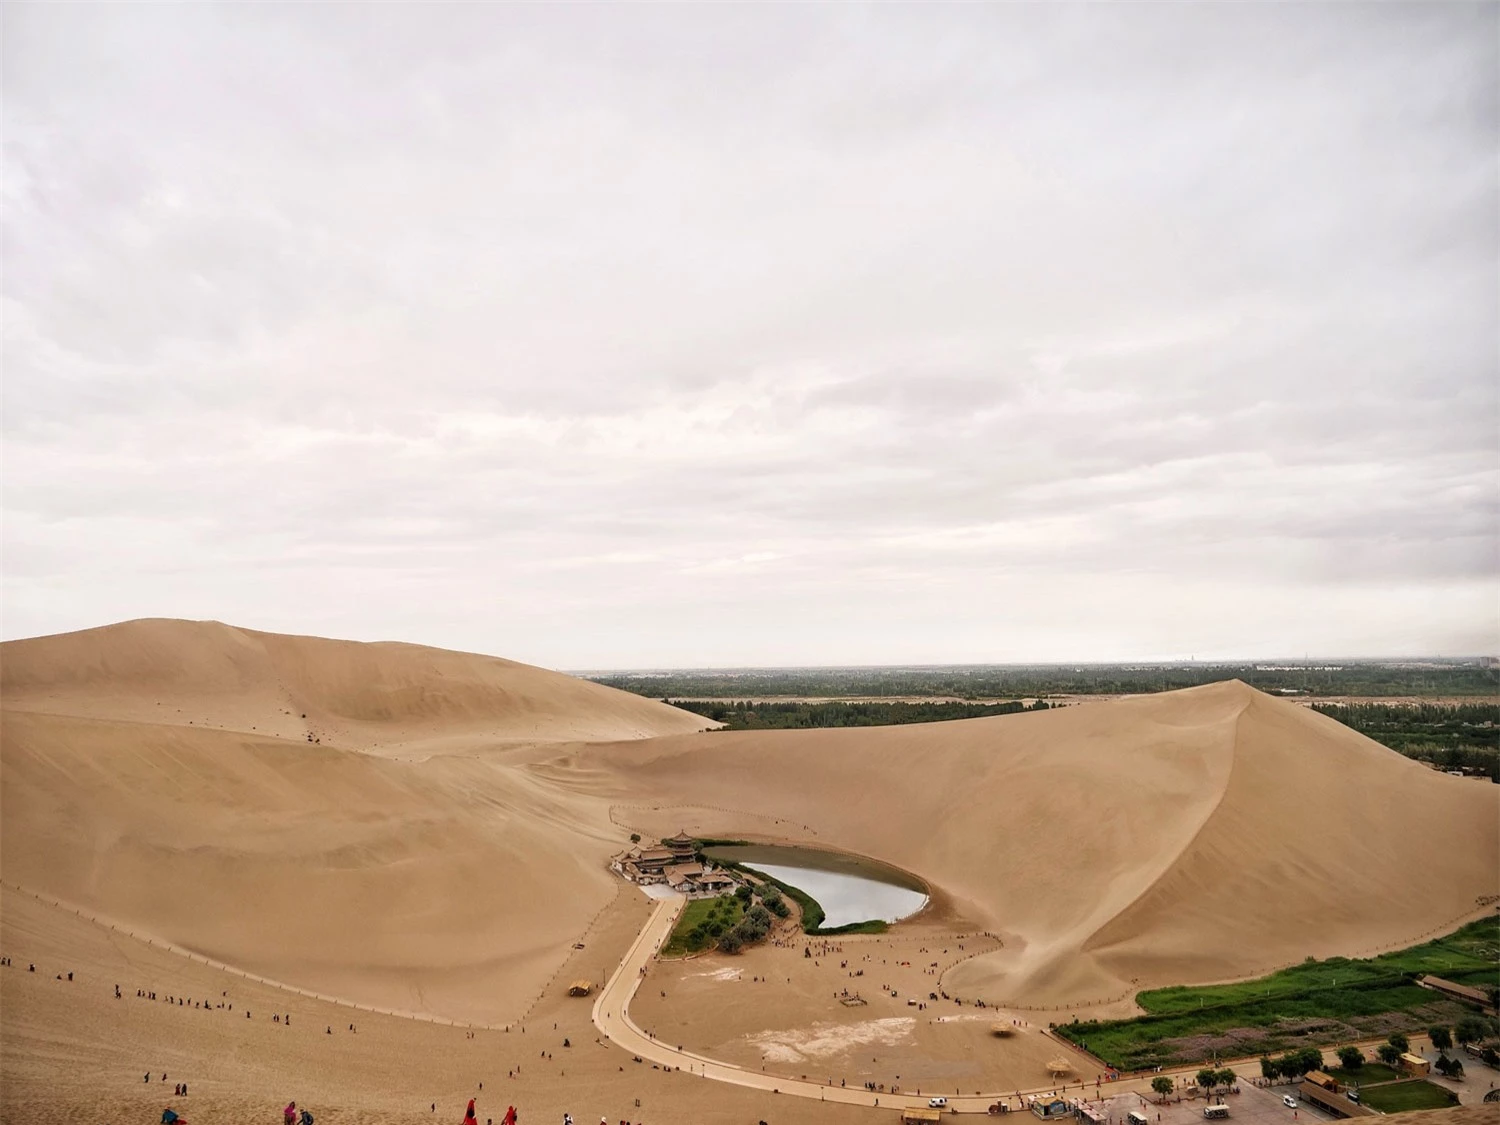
<point x="863" y="895"/>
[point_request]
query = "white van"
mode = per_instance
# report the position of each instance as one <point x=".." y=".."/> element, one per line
<point x="1136" y="1117"/>
<point x="1215" y="1112"/>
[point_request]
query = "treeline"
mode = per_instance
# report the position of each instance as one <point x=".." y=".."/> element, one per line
<point x="747" y="714"/>
<point x="988" y="682"/>
<point x="1461" y="736"/>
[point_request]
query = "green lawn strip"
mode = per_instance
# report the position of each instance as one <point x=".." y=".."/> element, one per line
<point x="1315" y="1003"/>
<point x="1287" y="1023"/>
<point x="1370" y="1072"/>
<point x="873" y="926"/>
<point x="1470" y="950"/>
<point x="726" y="908"/>
<point x="1398" y="1096"/>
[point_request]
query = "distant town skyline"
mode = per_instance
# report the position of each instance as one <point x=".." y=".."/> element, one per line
<point x="638" y="337"/>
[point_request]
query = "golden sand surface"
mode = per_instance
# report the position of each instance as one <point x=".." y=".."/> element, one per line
<point x="294" y="822"/>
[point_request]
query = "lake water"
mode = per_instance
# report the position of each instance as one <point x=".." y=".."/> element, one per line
<point x="848" y="888"/>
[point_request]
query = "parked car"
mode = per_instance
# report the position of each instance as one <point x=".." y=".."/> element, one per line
<point x="1289" y="1101"/>
<point x="936" y="1103"/>
<point x="1352" y="1095"/>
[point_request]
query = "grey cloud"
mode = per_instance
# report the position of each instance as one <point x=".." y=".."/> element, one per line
<point x="511" y="327"/>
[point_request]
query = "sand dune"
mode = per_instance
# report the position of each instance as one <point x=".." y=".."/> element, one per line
<point x="159" y="774"/>
<point x="1191" y="836"/>
<point x="381" y="696"/>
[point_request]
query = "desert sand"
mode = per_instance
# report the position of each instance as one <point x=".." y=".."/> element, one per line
<point x="426" y="833"/>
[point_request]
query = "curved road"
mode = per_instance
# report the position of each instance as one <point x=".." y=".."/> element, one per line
<point x="612" y="1017"/>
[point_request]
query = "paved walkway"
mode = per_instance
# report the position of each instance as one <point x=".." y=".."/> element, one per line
<point x="612" y="1017"/>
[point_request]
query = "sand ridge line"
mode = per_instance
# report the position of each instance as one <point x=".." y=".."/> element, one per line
<point x="711" y="808"/>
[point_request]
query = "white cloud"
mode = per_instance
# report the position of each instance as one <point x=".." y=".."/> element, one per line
<point x="647" y="336"/>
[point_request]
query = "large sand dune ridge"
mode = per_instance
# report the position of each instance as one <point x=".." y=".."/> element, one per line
<point x="1191" y="836"/>
<point x="438" y="850"/>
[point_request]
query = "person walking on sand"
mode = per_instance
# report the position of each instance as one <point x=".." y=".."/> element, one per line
<point x="289" y="1114"/>
<point x="470" y="1117"/>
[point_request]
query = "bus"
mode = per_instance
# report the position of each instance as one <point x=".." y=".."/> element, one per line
<point x="1214" y="1112"/>
<point x="1136" y="1117"/>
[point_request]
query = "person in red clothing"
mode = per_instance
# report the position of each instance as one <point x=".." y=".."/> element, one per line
<point x="469" y="1115"/>
<point x="510" y="1116"/>
<point x="290" y="1113"/>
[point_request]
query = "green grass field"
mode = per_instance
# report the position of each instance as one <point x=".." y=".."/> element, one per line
<point x="1398" y="1096"/>
<point x="1473" y="950"/>
<point x="725" y="909"/>
<point x="1370" y="1072"/>
<point x="1318" y="1002"/>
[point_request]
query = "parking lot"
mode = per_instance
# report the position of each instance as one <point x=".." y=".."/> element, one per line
<point x="1251" y="1106"/>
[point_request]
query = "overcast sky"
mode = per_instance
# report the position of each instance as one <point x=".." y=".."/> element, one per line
<point x="620" y="336"/>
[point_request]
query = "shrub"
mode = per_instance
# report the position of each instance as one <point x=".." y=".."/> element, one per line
<point x="1351" y="1058"/>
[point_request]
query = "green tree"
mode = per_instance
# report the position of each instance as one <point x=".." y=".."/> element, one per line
<point x="1290" y="1066"/>
<point x="1227" y="1077"/>
<point x="1208" y="1078"/>
<point x="1490" y="1056"/>
<point x="635" y="837"/>
<point x="1309" y="1058"/>
<point x="1351" y="1058"/>
<point x="1441" y="1037"/>
<point x="1270" y="1070"/>
<point x="1399" y="1041"/>
<point x="1449" y="1066"/>
<point x="1162" y="1085"/>
<point x="1388" y="1054"/>
<point x="1470" y="1029"/>
<point x="731" y="943"/>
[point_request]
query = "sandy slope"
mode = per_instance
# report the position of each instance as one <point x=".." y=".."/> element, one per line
<point x="386" y="696"/>
<point x="1191" y="836"/>
<point x="159" y="774"/>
